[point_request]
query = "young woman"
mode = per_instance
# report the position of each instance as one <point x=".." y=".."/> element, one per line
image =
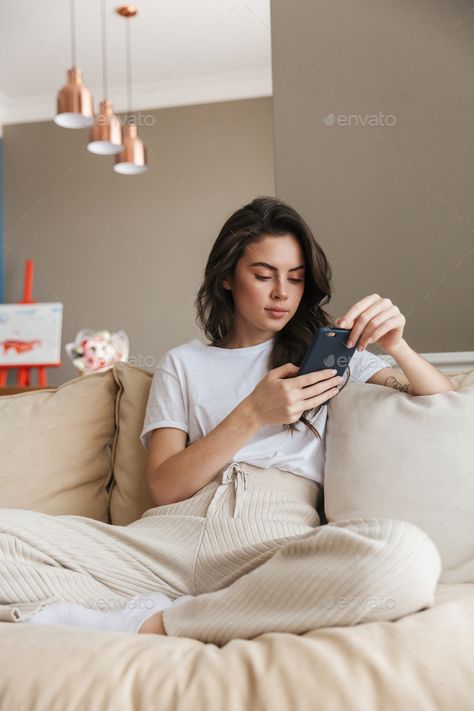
<point x="234" y="545"/>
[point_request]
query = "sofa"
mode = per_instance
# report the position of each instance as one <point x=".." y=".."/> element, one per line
<point x="75" y="450"/>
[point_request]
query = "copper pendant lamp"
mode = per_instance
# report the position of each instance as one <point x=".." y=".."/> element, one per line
<point x="133" y="159"/>
<point x="106" y="132"/>
<point x="74" y="102"/>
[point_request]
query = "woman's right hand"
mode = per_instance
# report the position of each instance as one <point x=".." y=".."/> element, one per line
<point x="279" y="399"/>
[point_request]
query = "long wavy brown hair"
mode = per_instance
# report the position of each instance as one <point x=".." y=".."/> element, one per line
<point x="215" y="305"/>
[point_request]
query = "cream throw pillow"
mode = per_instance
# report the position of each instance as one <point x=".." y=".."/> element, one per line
<point x="130" y="496"/>
<point x="56" y="447"/>
<point x="394" y="455"/>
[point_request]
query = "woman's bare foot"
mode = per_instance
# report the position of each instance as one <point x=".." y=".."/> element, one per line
<point x="153" y="625"/>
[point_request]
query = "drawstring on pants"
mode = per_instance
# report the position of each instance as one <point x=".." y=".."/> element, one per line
<point x="233" y="473"/>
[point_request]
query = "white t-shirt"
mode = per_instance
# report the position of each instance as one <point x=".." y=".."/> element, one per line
<point x="195" y="386"/>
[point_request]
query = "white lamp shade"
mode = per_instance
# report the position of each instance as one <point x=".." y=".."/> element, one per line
<point x="73" y="120"/>
<point x="104" y="148"/>
<point x="130" y="168"/>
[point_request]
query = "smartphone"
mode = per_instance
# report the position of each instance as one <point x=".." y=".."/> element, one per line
<point x="328" y="350"/>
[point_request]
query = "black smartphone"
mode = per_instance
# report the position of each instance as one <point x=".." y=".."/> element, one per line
<point x="328" y="350"/>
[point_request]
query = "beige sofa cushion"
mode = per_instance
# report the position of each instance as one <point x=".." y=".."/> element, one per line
<point x="56" y="447"/>
<point x="421" y="662"/>
<point x="394" y="455"/>
<point x="130" y="496"/>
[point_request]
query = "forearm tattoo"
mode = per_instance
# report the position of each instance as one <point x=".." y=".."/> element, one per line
<point x="392" y="382"/>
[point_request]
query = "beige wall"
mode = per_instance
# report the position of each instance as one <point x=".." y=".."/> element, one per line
<point x="391" y="205"/>
<point x="127" y="252"/>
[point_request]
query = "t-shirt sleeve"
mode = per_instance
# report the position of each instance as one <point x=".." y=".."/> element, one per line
<point x="167" y="403"/>
<point x="364" y="364"/>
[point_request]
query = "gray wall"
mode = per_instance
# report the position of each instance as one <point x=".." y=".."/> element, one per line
<point x="126" y="252"/>
<point x="391" y="205"/>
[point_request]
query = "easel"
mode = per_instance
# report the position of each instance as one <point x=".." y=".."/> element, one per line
<point x="24" y="371"/>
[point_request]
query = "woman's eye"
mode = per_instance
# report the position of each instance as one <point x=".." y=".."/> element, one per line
<point x="262" y="278"/>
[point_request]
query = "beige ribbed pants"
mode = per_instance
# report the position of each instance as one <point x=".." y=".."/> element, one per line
<point x="248" y="547"/>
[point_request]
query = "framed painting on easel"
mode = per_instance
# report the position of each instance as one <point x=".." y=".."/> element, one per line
<point x="30" y="334"/>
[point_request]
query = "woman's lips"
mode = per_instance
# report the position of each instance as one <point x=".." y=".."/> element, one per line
<point x="276" y="314"/>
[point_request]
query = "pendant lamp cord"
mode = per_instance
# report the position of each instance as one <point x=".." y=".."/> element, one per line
<point x="104" y="53"/>
<point x="73" y="35"/>
<point x="129" y="69"/>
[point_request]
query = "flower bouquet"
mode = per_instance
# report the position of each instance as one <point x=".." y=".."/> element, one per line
<point x="95" y="351"/>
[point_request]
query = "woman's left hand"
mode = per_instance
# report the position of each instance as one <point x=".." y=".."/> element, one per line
<point x="375" y="320"/>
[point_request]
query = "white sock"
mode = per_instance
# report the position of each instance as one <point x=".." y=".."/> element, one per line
<point x="128" y="619"/>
